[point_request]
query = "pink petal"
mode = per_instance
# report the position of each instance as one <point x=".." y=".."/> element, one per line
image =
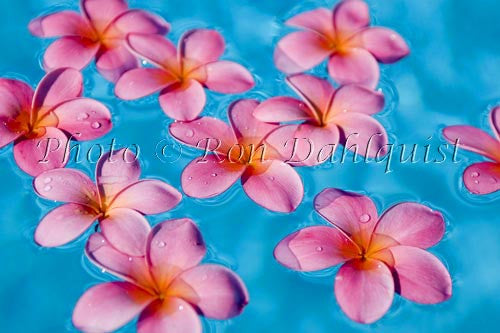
<point x="84" y="118"/>
<point x="354" y="98"/>
<point x="116" y="171"/>
<point x="202" y="45"/>
<point x="275" y="185"/>
<point x="70" y="51"/>
<point x="495" y="120"/>
<point x="141" y="82"/>
<point x="316" y="92"/>
<point x="412" y="224"/>
<point x="137" y="21"/>
<point x="226" y="77"/>
<point x="173" y="315"/>
<point x="315" y="248"/>
<point x="281" y="109"/>
<point x="108" y="306"/>
<point x="6" y="135"/>
<point x="473" y="139"/>
<point x="56" y="87"/>
<point x="364" y="290"/>
<point x="420" y="276"/>
<point x="245" y="125"/>
<point x="174" y="246"/>
<point x="102" y="13"/>
<point x="363" y="132"/>
<point x="63" y="23"/>
<point x="482" y="178"/>
<point x="112" y="63"/>
<point x="102" y="254"/>
<point x="196" y="134"/>
<point x="64" y="224"/>
<point x="300" y="51"/>
<point x="148" y="197"/>
<point x="183" y="101"/>
<point x="214" y="290"/>
<point x="318" y="20"/>
<point x="126" y="230"/>
<point x="47" y="152"/>
<point x="385" y="44"/>
<point x="66" y="185"/>
<point x="355" y="214"/>
<point x="153" y="48"/>
<point x="15" y="98"/>
<point x="207" y="177"/>
<point x="351" y="16"/>
<point x="355" y="66"/>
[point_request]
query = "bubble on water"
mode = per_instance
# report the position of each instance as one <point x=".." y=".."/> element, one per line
<point x="319" y="248"/>
<point x="47" y="188"/>
<point x="474" y="174"/>
<point x="189" y="133"/>
<point x="364" y="218"/>
<point x="96" y="125"/>
<point x="162" y="244"/>
<point x="103" y="270"/>
<point x="82" y="116"/>
<point x="47" y="180"/>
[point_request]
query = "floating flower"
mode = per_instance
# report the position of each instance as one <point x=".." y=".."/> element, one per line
<point x="182" y="74"/>
<point x="345" y="37"/>
<point x="40" y="123"/>
<point x="166" y="285"/>
<point x="117" y="200"/>
<point x="99" y="33"/>
<point x="483" y="177"/>
<point x="239" y="152"/>
<point x="380" y="256"/>
<point x="329" y="116"/>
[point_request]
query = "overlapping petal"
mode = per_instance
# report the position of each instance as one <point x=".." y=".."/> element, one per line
<point x="202" y="46"/>
<point x="113" y="62"/>
<point x="183" y="101"/>
<point x="141" y="82"/>
<point x="227" y="77"/>
<point x="63" y="23"/>
<point x="482" y="178"/>
<point x="473" y="139"/>
<point x="351" y="16"/>
<point x="318" y="20"/>
<point x="356" y="66"/>
<point x="70" y="51"/>
<point x="172" y="315"/>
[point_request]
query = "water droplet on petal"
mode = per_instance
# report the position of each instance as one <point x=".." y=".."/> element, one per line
<point x="338" y="278"/>
<point x="319" y="248"/>
<point x="129" y="258"/>
<point x="344" y="110"/>
<point x="103" y="270"/>
<point x="364" y="218"/>
<point x="47" y="188"/>
<point x="272" y="178"/>
<point x="213" y="174"/>
<point x="162" y="244"/>
<point x="82" y="116"/>
<point x="476" y="182"/>
<point x="189" y="133"/>
<point x="379" y="266"/>
<point x="47" y="180"/>
<point x="204" y="277"/>
<point x="96" y="125"/>
<point x="181" y="307"/>
<point x="393" y="36"/>
<point x="189" y="178"/>
<point x="474" y="174"/>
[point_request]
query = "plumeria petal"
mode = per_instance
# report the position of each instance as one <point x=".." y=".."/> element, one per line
<point x="102" y="13"/>
<point x="245" y="125"/>
<point x="227" y="77"/>
<point x="141" y="82"/>
<point x="354" y="66"/>
<point x="300" y="51"/>
<point x="183" y="101"/>
<point x="420" y="276"/>
<point x="173" y="315"/>
<point x="214" y="290"/>
<point x="315" y="248"/>
<point x="70" y="51"/>
<point x="318" y="20"/>
<point x="495" y="120"/>
<point x="148" y="197"/>
<point x="6" y="135"/>
<point x="202" y="45"/>
<point x="385" y="44"/>
<point x="64" y="224"/>
<point x="351" y="16"/>
<point x="153" y="48"/>
<point x="355" y="214"/>
<point x="44" y="153"/>
<point x="56" y="87"/>
<point x="316" y="92"/>
<point x="126" y="230"/>
<point x="412" y="224"/>
<point x="208" y="176"/>
<point x="274" y="185"/>
<point x="282" y="109"/>
<point x="15" y="99"/>
<point x="63" y="23"/>
<point x="364" y="290"/>
<point x="354" y="98"/>
<point x="174" y="246"/>
<point x="482" y="178"/>
<point x="108" y="306"/>
<point x="83" y="118"/>
<point x="362" y="134"/>
<point x="113" y="62"/>
<point x="115" y="171"/>
<point x="137" y="21"/>
<point x="473" y="139"/>
<point x="66" y="185"/>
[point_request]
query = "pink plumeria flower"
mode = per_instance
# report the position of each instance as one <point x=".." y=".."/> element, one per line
<point x="328" y="116"/>
<point x="482" y="177"/>
<point x="240" y="152"/>
<point x="182" y="73"/>
<point x="379" y="256"/>
<point x="99" y="33"/>
<point x="40" y="123"/>
<point x="166" y="285"/>
<point x="117" y="200"/>
<point x="344" y="36"/>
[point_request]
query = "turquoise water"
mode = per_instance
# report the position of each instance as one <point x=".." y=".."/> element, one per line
<point x="451" y="77"/>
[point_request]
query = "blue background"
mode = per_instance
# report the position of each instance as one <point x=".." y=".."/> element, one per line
<point x="451" y="77"/>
